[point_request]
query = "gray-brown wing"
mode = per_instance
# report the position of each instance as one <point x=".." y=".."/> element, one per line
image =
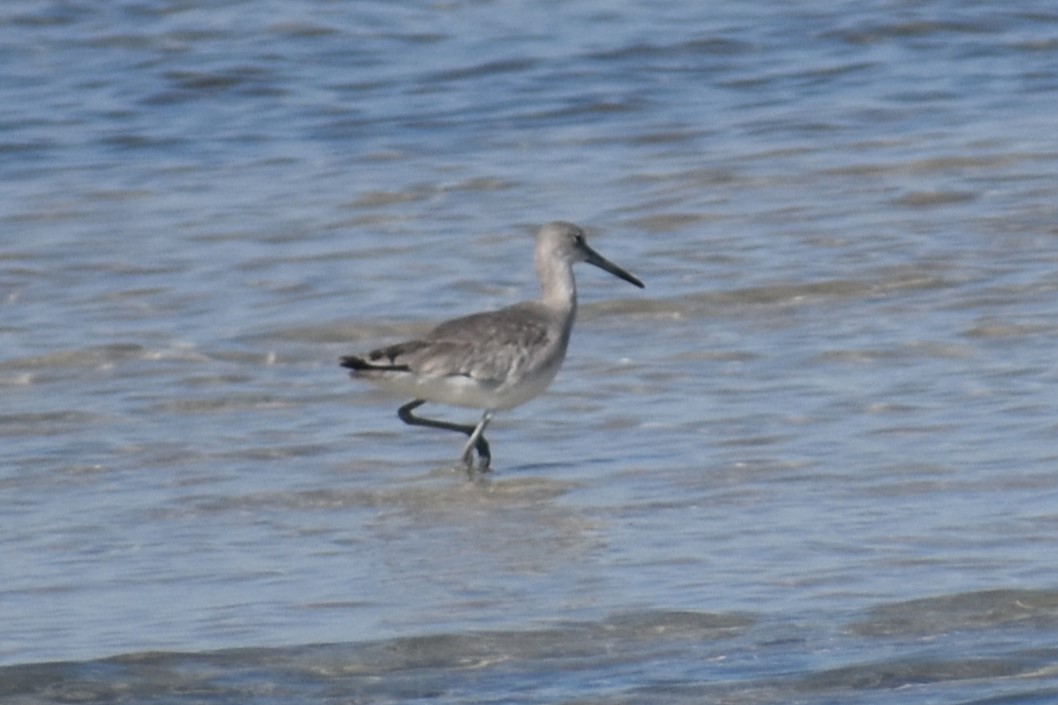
<point x="487" y="347"/>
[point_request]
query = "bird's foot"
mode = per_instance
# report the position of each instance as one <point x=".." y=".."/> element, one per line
<point x="484" y="456"/>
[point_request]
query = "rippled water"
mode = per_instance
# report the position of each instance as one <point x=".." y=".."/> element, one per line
<point x="814" y="461"/>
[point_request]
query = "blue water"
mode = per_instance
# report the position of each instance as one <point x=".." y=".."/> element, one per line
<point x="814" y="461"/>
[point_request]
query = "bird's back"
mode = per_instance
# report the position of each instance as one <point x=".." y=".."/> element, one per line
<point x="493" y="360"/>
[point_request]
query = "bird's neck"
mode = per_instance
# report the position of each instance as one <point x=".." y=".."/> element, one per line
<point x="558" y="289"/>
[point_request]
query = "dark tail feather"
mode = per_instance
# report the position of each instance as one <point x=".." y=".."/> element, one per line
<point x="357" y="364"/>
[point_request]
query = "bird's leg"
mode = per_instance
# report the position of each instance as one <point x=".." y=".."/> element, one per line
<point x="475" y="434"/>
<point x="407" y="417"/>
<point x="476" y="439"/>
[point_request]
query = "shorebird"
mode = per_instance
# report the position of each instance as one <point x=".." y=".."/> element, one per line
<point x="494" y="360"/>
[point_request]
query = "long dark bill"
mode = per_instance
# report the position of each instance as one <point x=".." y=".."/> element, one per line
<point x="603" y="263"/>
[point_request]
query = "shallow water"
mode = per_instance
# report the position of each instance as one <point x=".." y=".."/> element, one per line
<point x="813" y="461"/>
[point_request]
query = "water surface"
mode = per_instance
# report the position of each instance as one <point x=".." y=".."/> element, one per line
<point x="813" y="461"/>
